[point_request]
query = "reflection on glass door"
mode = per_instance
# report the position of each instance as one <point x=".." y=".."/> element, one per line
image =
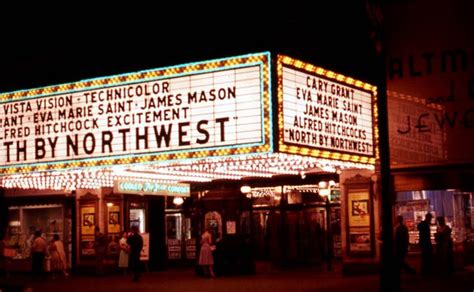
<point x="267" y="236"/>
<point x="261" y="233"/>
<point x="178" y="237"/>
<point x="306" y="235"/>
<point x="137" y="218"/>
<point x="173" y="235"/>
<point x="316" y="230"/>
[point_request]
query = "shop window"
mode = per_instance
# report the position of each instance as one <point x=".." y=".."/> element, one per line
<point x="454" y="206"/>
<point x="24" y="221"/>
<point x="462" y="217"/>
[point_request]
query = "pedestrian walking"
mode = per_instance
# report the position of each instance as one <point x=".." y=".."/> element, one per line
<point x="425" y="244"/>
<point x="135" y="241"/>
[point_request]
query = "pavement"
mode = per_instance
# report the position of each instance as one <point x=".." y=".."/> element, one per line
<point x="185" y="279"/>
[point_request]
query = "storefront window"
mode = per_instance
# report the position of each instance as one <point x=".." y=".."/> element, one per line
<point x="24" y="221"/>
<point x="454" y="206"/>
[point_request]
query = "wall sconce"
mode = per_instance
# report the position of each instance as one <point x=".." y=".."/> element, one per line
<point x="178" y="201"/>
<point x="110" y="205"/>
<point x="245" y="189"/>
<point x="323" y="184"/>
<point x="324" y="192"/>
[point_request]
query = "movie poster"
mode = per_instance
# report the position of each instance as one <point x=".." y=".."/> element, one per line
<point x="113" y="225"/>
<point x="359" y="211"/>
<point x="87" y="220"/>
<point x="360" y="240"/>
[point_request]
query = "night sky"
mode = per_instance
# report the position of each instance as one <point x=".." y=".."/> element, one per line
<point x="53" y="48"/>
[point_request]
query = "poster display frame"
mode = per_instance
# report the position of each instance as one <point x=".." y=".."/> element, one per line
<point x="360" y="238"/>
<point x="88" y="208"/>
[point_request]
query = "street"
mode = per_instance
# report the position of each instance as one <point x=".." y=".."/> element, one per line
<point x="184" y="279"/>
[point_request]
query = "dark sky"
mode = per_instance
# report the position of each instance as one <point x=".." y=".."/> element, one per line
<point x="45" y="49"/>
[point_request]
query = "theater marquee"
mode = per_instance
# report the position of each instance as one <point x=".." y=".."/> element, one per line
<point x="325" y="114"/>
<point x="218" y="107"/>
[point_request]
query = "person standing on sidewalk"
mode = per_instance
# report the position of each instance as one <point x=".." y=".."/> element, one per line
<point x="401" y="246"/>
<point x="38" y="252"/>
<point x="135" y="241"/>
<point x="444" y="247"/>
<point x="124" y="251"/>
<point x="58" y="257"/>
<point x="425" y="244"/>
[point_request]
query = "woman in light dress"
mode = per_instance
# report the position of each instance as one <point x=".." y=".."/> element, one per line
<point x="206" y="260"/>
<point x="58" y="257"/>
<point x="124" y="250"/>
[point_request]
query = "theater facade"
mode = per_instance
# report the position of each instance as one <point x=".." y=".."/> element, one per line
<point x="275" y="155"/>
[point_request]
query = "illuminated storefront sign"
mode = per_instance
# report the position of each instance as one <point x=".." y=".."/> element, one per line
<point x="325" y="114"/>
<point x="218" y="107"/>
<point x="151" y="188"/>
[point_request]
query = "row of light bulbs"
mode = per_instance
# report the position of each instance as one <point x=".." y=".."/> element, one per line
<point x="204" y="170"/>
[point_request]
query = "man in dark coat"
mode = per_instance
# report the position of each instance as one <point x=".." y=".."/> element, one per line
<point x="425" y="244"/>
<point x="135" y="241"/>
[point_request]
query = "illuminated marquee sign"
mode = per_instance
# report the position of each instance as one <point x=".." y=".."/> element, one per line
<point x="324" y="114"/>
<point x="203" y="109"/>
<point x="151" y="188"/>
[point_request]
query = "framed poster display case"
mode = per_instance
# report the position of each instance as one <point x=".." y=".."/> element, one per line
<point x="88" y="212"/>
<point x="359" y="217"/>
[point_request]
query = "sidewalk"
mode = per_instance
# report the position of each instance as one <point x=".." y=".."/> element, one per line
<point x="292" y="280"/>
